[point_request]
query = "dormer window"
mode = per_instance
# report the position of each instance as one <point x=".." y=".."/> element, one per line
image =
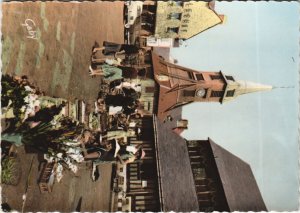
<point x="199" y="77"/>
<point x="191" y="76"/>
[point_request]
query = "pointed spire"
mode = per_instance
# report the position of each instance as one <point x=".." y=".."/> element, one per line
<point x="249" y="87"/>
<point x="236" y="88"/>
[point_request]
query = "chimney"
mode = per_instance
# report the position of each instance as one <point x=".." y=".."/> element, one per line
<point x="223" y="19"/>
<point x="181" y="125"/>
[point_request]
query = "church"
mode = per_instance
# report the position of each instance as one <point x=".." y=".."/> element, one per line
<point x="182" y="175"/>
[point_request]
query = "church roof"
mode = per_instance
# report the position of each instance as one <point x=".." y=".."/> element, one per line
<point x="241" y="190"/>
<point x="177" y="184"/>
<point x="178" y="191"/>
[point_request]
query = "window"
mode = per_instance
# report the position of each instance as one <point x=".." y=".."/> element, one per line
<point x="174" y="16"/>
<point x="230" y="93"/>
<point x="185" y="21"/>
<point x="228" y="77"/>
<point x="179" y="3"/>
<point x="183" y="30"/>
<point x="187" y="10"/>
<point x="172" y="29"/>
<point x="175" y="3"/>
<point x="215" y="77"/>
<point x="199" y="77"/>
<point x="189" y="93"/>
<point x="171" y="3"/>
<point x="191" y="76"/>
<point x="186" y="15"/>
<point x="217" y="93"/>
<point x="184" y="25"/>
<point x="149" y="89"/>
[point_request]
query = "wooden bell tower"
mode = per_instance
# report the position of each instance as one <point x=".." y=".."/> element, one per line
<point x="179" y="86"/>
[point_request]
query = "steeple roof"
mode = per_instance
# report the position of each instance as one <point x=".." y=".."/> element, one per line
<point x="248" y="87"/>
<point x="236" y="88"/>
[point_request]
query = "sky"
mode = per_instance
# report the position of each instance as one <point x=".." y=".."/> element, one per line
<point x="260" y="43"/>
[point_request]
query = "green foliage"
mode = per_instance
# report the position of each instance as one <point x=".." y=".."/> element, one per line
<point x="9" y="171"/>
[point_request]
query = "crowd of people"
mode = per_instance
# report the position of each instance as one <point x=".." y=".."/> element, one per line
<point x="32" y="121"/>
<point x="36" y="121"/>
<point x="114" y="61"/>
<point x="123" y="95"/>
<point x="121" y="101"/>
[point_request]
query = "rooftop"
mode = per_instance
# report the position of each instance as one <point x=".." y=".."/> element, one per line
<point x="176" y="179"/>
<point x="241" y="190"/>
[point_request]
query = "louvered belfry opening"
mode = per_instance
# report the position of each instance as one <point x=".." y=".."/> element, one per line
<point x="208" y="186"/>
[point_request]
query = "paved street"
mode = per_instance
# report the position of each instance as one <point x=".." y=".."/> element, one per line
<point x="51" y="43"/>
<point x="65" y="195"/>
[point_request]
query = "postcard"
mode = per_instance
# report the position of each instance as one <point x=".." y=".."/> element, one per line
<point x="139" y="106"/>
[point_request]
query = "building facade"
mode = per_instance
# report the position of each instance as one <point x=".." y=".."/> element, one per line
<point x="178" y="19"/>
<point x="223" y="182"/>
<point x="136" y="184"/>
<point x="165" y="23"/>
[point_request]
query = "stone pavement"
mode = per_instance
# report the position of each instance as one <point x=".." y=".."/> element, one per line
<point x="51" y="43"/>
<point x="65" y="196"/>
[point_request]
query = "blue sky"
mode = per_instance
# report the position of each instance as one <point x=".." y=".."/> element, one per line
<point x="258" y="43"/>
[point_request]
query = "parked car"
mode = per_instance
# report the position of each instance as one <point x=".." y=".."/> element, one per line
<point x="134" y="10"/>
